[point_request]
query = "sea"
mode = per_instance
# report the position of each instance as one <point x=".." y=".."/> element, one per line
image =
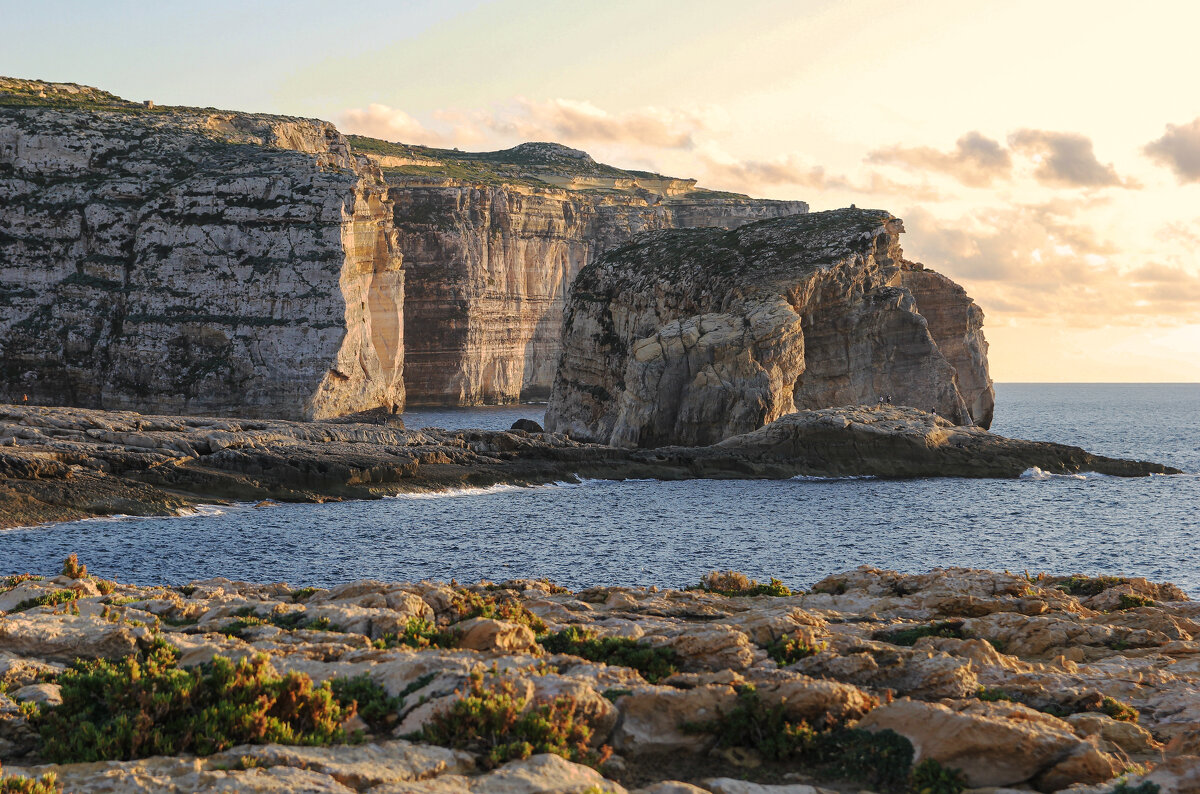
<point x="641" y="532"/>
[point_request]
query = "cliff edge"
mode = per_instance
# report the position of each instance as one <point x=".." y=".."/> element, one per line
<point x="191" y="260"/>
<point x="692" y="336"/>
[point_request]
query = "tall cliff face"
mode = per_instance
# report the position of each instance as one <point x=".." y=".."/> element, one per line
<point x="192" y="261"/>
<point x="693" y="336"/>
<point x="491" y="241"/>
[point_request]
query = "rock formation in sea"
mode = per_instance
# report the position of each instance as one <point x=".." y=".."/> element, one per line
<point x="692" y="336"/>
<point x="492" y="240"/>
<point x="191" y="260"/>
<point x="60" y="464"/>
<point x="868" y="680"/>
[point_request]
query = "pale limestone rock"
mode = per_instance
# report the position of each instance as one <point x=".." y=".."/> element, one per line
<point x="994" y="744"/>
<point x="671" y="787"/>
<point x="726" y="785"/>
<point x="485" y="634"/>
<point x="1127" y="736"/>
<point x="65" y="637"/>
<point x="691" y="337"/>
<point x="195" y="261"/>
<point x="651" y="718"/>
<point x="43" y="694"/>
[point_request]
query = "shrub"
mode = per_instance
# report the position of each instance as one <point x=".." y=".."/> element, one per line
<point x="947" y="628"/>
<point x="377" y="708"/>
<point x="498" y="606"/>
<point x="303" y="593"/>
<point x="51" y="599"/>
<point x="994" y="694"/>
<point x="419" y="633"/>
<point x="289" y="621"/>
<point x="930" y="777"/>
<point x="105" y="586"/>
<point x="497" y="724"/>
<point x="790" y="649"/>
<point x="19" y="784"/>
<point x="1145" y="787"/>
<point x="72" y="569"/>
<point x="1118" y="710"/>
<point x="9" y="582"/>
<point x="1133" y="601"/>
<point x="147" y="705"/>
<point x="1089" y="586"/>
<point x="882" y="759"/>
<point x="653" y="663"/>
<point x="735" y="583"/>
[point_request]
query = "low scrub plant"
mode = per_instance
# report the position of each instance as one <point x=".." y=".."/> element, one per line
<point x="147" y="705"/>
<point x="789" y="649"/>
<point x="9" y="582"/>
<point x="19" y="784"/>
<point x="499" y="725"/>
<point x="52" y="599"/>
<point x="1122" y="712"/>
<point x="653" y="663"/>
<point x="909" y="636"/>
<point x="882" y="760"/>
<point x="376" y="707"/>
<point x="418" y="633"/>
<point x="735" y="583"/>
<point x="1133" y="601"/>
<point x="1087" y="586"/>
<point x="497" y="605"/>
<point x="72" y="569"/>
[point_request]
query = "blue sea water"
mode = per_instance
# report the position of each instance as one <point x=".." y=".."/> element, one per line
<point x="669" y="533"/>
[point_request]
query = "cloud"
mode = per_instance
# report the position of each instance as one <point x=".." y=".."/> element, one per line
<point x="1179" y="150"/>
<point x="561" y="120"/>
<point x="390" y="124"/>
<point x="753" y="176"/>
<point x="1029" y="262"/>
<point x="1066" y="159"/>
<point x="975" y="161"/>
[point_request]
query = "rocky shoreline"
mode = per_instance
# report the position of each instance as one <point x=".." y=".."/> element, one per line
<point x="869" y="680"/>
<point x="60" y="464"/>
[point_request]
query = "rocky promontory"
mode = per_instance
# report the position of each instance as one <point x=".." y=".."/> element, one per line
<point x="693" y="336"/>
<point x="67" y="463"/>
<point x="869" y="680"/>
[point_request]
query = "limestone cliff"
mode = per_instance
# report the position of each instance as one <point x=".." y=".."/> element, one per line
<point x="492" y="240"/>
<point x="693" y="336"/>
<point x="191" y="260"/>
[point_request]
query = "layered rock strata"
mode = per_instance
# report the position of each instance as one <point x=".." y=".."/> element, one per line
<point x="67" y="463"/>
<point x="192" y="261"/>
<point x="1045" y="683"/>
<point x="692" y="336"/>
<point x="491" y="244"/>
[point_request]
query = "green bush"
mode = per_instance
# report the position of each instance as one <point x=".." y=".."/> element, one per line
<point x="1145" y="787"/>
<point x="1118" y="710"/>
<point x="497" y="606"/>
<point x="377" y="708"/>
<point x="946" y="628"/>
<point x="147" y="705"/>
<point x="51" y="599"/>
<point x="72" y="569"/>
<point x="790" y="649"/>
<point x="930" y="777"/>
<point x="651" y="662"/>
<point x="9" y="582"/>
<point x="882" y="760"/>
<point x="1089" y="586"/>
<point x="419" y="633"/>
<point x="993" y="694"/>
<point x="1133" y="601"/>
<point x="498" y="725"/>
<point x="735" y="583"/>
<point x="19" y="784"/>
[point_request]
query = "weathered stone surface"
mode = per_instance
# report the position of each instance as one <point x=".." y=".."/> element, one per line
<point x="489" y="256"/>
<point x="64" y="463"/>
<point x="690" y="337"/>
<point x="192" y="261"/>
<point x="998" y="735"/>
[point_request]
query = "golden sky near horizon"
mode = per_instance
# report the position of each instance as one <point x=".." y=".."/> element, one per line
<point x="1046" y="154"/>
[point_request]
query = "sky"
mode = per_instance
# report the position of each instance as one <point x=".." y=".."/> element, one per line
<point x="1046" y="155"/>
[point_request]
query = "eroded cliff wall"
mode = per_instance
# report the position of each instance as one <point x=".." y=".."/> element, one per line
<point x="693" y="336"/>
<point x="191" y="261"/>
<point x="488" y="259"/>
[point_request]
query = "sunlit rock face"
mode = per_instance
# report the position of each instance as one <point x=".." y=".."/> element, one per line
<point x="192" y="261"/>
<point x="491" y="242"/>
<point x="692" y="336"/>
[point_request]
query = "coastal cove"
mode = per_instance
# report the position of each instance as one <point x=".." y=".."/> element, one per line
<point x="669" y="533"/>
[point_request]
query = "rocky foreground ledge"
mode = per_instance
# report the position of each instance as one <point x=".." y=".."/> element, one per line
<point x="61" y="464"/>
<point x="872" y="680"/>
